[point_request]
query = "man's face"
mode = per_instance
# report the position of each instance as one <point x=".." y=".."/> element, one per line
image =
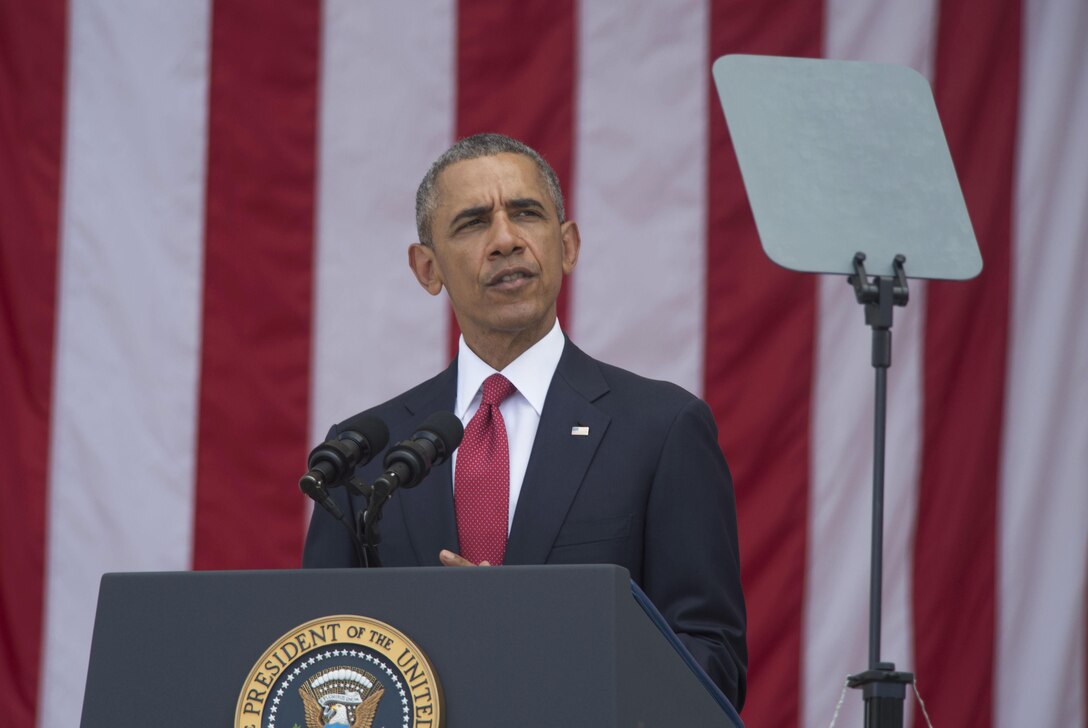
<point x="499" y="249"/>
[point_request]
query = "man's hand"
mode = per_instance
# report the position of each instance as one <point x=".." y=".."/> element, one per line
<point x="448" y="558"/>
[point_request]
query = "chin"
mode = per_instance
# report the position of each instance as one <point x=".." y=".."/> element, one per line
<point x="515" y="322"/>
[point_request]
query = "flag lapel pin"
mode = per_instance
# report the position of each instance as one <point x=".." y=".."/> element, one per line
<point x="579" y="431"/>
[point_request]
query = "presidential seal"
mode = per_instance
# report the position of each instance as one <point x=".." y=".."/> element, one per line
<point x="345" y="670"/>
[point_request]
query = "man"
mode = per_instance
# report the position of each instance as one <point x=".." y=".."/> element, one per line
<point x="565" y="459"/>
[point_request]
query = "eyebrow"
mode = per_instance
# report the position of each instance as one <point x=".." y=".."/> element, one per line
<point x="519" y="203"/>
<point x="468" y="213"/>
<point x="526" y="203"/>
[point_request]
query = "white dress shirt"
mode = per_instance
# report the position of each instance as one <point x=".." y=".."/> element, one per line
<point x="532" y="374"/>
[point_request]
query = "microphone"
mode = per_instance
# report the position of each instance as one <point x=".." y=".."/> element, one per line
<point x="360" y="438"/>
<point x="408" y="462"/>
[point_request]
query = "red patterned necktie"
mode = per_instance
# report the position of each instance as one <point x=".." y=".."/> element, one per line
<point x="482" y="481"/>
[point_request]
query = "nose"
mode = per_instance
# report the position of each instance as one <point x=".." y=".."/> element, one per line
<point x="505" y="237"/>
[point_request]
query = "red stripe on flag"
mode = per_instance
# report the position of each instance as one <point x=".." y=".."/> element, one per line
<point x="977" y="79"/>
<point x="255" y="365"/>
<point x="515" y="75"/>
<point x="33" y="46"/>
<point x="759" y="369"/>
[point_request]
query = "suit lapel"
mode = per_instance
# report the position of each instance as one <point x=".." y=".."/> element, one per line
<point x="428" y="508"/>
<point x="559" y="459"/>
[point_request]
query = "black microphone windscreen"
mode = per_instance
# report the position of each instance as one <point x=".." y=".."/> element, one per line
<point x="447" y="427"/>
<point x="370" y="427"/>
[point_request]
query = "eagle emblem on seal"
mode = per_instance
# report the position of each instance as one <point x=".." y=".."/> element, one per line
<point x="341" y="696"/>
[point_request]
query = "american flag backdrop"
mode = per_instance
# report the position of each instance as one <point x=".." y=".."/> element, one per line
<point x="204" y="214"/>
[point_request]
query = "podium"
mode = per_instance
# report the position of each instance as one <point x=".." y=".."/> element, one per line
<point x="513" y="645"/>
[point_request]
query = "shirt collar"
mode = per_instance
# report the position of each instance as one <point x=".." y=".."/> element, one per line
<point x="531" y="372"/>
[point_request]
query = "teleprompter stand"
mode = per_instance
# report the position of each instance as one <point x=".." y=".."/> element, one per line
<point x="839" y="157"/>
<point x="882" y="687"/>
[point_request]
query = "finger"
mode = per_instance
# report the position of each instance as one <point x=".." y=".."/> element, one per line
<point x="448" y="558"/>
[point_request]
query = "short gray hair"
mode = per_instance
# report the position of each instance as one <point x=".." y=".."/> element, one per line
<point x="474" y="147"/>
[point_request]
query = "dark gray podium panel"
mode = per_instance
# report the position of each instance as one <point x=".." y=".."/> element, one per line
<point x="516" y="645"/>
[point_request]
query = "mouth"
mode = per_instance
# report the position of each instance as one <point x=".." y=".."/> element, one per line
<point x="510" y="279"/>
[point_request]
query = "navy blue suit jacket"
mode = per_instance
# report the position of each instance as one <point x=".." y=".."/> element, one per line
<point x="647" y="489"/>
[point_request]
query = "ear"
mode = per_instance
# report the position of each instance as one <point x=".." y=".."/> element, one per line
<point x="422" y="261"/>
<point x="572" y="244"/>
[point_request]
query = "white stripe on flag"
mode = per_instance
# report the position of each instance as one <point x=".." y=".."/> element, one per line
<point x="640" y="186"/>
<point x="387" y="106"/>
<point x="837" y="576"/>
<point x="1043" y="510"/>
<point x="882" y="31"/>
<point x="128" y="322"/>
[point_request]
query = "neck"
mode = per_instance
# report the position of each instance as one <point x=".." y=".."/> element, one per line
<point x="499" y="349"/>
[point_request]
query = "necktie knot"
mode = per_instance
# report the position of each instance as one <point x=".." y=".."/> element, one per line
<point x="496" y="389"/>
